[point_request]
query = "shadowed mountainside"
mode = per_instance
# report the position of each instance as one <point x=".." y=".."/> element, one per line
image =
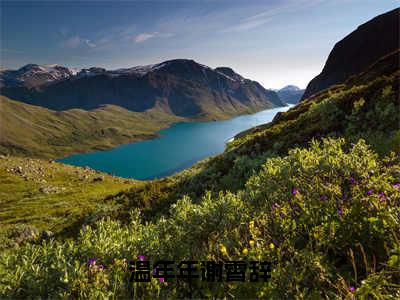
<point x="180" y="87"/>
<point x="357" y="51"/>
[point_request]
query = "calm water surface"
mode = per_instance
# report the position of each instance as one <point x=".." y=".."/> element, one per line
<point x="180" y="146"/>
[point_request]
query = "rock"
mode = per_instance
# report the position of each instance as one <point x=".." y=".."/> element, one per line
<point x="98" y="178"/>
<point x="46" y="234"/>
<point x="51" y="161"/>
<point x="3" y="157"/>
<point x="48" y="189"/>
<point x="44" y="190"/>
<point x="28" y="233"/>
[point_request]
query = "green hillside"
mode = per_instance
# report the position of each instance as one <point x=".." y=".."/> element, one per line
<point x="38" y="195"/>
<point x="35" y="131"/>
<point x="315" y="192"/>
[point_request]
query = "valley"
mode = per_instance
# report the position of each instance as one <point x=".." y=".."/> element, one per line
<point x="311" y="189"/>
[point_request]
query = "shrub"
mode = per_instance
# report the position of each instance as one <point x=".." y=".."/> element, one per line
<point x="327" y="218"/>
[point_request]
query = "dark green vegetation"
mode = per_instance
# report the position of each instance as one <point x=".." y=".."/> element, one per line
<point x="39" y="132"/>
<point x="338" y="231"/>
<point x="316" y="192"/>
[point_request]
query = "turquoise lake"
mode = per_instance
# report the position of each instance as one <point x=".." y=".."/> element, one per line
<point x="180" y="146"/>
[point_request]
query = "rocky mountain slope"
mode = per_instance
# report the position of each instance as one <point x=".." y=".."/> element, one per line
<point x="33" y="75"/>
<point x="357" y="51"/>
<point x="180" y="87"/>
<point x="290" y="94"/>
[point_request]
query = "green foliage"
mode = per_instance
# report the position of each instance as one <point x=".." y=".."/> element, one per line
<point x="340" y="229"/>
<point x="327" y="217"/>
<point x="37" y="195"/>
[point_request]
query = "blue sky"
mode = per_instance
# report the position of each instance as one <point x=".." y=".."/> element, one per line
<point x="273" y="42"/>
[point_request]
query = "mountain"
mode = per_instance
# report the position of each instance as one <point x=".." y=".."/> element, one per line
<point x="33" y="75"/>
<point x="180" y="87"/>
<point x="357" y="51"/>
<point x="314" y="194"/>
<point x="97" y="109"/>
<point x="290" y="94"/>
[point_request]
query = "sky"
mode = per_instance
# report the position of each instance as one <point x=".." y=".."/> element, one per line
<point x="273" y="42"/>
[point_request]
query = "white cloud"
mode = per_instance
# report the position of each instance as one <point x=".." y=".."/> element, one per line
<point x="140" y="38"/>
<point x="267" y="15"/>
<point x="8" y="50"/>
<point x="77" y="42"/>
<point x="245" y="25"/>
<point x="90" y="44"/>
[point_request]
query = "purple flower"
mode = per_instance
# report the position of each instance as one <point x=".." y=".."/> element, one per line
<point x="370" y="192"/>
<point x="352" y="180"/>
<point x="141" y="257"/>
<point x="324" y="197"/>
<point x="382" y="196"/>
<point x="161" y="279"/>
<point x="295" y="191"/>
<point x="92" y="261"/>
<point x="275" y="205"/>
<point x="397" y="185"/>
<point x="352" y="289"/>
<point x="101" y="267"/>
<point x="340" y="212"/>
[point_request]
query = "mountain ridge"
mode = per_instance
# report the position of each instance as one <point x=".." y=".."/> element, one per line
<point x="290" y="94"/>
<point x="182" y="87"/>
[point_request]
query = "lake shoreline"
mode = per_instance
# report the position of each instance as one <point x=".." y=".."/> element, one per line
<point x="171" y="149"/>
<point x="147" y="137"/>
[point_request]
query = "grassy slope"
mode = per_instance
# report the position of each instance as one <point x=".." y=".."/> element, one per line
<point x="331" y="113"/>
<point x="51" y="196"/>
<point x="337" y="236"/>
<point x="39" y="132"/>
<point x="314" y="239"/>
<point x="33" y="131"/>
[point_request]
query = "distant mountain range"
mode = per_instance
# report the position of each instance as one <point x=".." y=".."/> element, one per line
<point x="290" y="94"/>
<point x="357" y="51"/>
<point x="321" y="180"/>
<point x="180" y="87"/>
